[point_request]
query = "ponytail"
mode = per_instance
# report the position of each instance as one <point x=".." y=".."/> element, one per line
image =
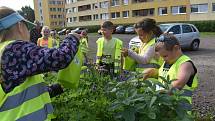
<point x="157" y="31"/>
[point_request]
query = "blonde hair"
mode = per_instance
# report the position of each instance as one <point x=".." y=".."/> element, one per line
<point x="5" y="11"/>
<point x="44" y="28"/>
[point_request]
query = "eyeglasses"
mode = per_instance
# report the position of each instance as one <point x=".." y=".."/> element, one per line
<point x="162" y="38"/>
<point x="167" y="39"/>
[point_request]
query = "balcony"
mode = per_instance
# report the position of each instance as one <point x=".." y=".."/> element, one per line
<point x="140" y="1"/>
<point x="85" y="18"/>
<point x="84" y="7"/>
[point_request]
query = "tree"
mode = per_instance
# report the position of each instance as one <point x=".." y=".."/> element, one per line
<point x="28" y="13"/>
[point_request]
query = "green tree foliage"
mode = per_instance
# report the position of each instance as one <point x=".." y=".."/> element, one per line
<point x="28" y="13"/>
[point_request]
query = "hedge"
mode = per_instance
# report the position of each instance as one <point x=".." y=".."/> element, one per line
<point x="203" y="26"/>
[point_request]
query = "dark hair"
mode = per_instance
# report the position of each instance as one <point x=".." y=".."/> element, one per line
<point x="148" y="25"/>
<point x="168" y="41"/>
<point x="107" y="25"/>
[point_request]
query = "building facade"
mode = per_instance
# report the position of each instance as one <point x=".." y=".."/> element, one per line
<point x="131" y="11"/>
<point x="86" y="12"/>
<point x="72" y="13"/>
<point x="50" y="12"/>
<point x="202" y="10"/>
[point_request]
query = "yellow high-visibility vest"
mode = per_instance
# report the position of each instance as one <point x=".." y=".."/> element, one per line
<point x="173" y="72"/>
<point x="117" y="56"/>
<point x="28" y="101"/>
<point x="153" y="63"/>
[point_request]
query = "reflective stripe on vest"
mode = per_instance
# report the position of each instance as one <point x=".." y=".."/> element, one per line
<point x="17" y="99"/>
<point x="153" y="63"/>
<point x="50" y="42"/>
<point x="39" y="115"/>
<point x="25" y="100"/>
<point x="117" y="58"/>
<point x="173" y="72"/>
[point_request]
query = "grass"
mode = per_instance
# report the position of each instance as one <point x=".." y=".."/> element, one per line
<point x="207" y="34"/>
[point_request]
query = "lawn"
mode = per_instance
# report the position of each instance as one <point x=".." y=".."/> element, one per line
<point x="207" y="34"/>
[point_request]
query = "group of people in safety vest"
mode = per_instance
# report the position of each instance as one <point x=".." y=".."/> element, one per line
<point x="23" y="92"/>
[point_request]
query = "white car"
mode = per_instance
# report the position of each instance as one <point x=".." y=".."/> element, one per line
<point x="187" y="34"/>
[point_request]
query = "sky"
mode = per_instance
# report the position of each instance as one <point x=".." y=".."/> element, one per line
<point x="17" y="4"/>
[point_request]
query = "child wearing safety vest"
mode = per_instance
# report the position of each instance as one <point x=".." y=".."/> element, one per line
<point x="109" y="49"/>
<point x="45" y="40"/>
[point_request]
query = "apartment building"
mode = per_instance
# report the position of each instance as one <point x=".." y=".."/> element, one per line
<point x="131" y="11"/>
<point x="86" y="12"/>
<point x="202" y="10"/>
<point x="60" y="13"/>
<point x="50" y="12"/>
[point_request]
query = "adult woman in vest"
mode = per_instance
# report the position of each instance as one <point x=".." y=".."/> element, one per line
<point x="147" y="30"/>
<point x="23" y="93"/>
<point x="46" y="40"/>
<point x="177" y="66"/>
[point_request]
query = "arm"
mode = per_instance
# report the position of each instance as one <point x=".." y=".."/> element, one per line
<point x="21" y="59"/>
<point x="143" y="59"/>
<point x="184" y="73"/>
<point x="150" y="73"/>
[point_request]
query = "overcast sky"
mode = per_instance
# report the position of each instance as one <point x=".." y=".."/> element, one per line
<point x="17" y="4"/>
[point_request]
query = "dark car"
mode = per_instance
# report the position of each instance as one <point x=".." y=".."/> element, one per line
<point x="130" y="30"/>
<point x="120" y="29"/>
<point x="62" y="32"/>
<point x="79" y="30"/>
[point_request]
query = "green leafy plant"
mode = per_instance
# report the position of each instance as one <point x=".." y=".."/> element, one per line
<point x="138" y="100"/>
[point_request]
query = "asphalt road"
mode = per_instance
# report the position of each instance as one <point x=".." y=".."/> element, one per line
<point x="204" y="59"/>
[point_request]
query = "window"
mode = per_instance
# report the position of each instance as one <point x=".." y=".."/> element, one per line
<point x="143" y="12"/>
<point x="95" y="5"/>
<point x="95" y="17"/>
<point x="104" y="16"/>
<point x="70" y="19"/>
<point x="175" y="29"/>
<point x="85" y="18"/>
<point x="74" y="19"/>
<point x="125" y="2"/>
<point x="178" y="10"/>
<point x="115" y="3"/>
<point x="74" y="9"/>
<point x="115" y="15"/>
<point x="104" y="4"/>
<point x="140" y="1"/>
<point x="41" y="17"/>
<point x="213" y="6"/>
<point x="125" y="14"/>
<point x="186" y="29"/>
<point x="162" y="11"/>
<point x="194" y="29"/>
<point x="41" y="12"/>
<point x="199" y="8"/>
<point x="40" y="4"/>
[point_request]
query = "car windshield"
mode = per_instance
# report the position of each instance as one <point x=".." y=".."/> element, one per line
<point x="164" y="27"/>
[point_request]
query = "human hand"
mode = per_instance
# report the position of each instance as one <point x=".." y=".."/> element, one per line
<point x="124" y="52"/>
<point x="149" y="72"/>
<point x="78" y="36"/>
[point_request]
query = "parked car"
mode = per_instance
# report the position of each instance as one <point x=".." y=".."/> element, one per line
<point x="130" y="30"/>
<point x="78" y="30"/>
<point x="62" y="32"/>
<point x="187" y="34"/>
<point x="120" y="29"/>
